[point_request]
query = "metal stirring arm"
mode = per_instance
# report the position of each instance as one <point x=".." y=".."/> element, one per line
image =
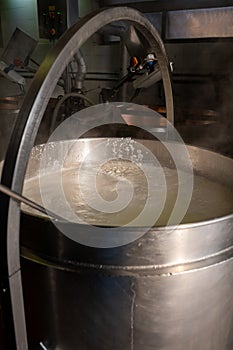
<point x="21" y="199"/>
<point x="23" y="138"/>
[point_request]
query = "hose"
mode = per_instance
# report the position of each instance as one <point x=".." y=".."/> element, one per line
<point x="60" y="102"/>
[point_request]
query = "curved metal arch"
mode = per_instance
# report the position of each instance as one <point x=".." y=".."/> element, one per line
<point x="24" y="135"/>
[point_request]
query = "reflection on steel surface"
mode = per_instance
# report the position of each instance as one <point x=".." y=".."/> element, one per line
<point x="200" y="23"/>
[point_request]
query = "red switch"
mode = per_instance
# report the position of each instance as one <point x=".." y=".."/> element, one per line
<point x="52" y="31"/>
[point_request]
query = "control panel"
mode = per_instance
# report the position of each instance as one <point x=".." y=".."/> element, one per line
<point x="52" y="17"/>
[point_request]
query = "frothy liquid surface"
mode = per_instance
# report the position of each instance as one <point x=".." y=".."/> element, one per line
<point x="209" y="199"/>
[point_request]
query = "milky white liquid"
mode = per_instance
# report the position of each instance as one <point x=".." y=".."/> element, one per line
<point x="209" y="199"/>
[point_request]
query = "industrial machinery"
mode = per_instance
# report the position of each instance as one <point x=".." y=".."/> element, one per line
<point x="16" y="54"/>
<point x="168" y="289"/>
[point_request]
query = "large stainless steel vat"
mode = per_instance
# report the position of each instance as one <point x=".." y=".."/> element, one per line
<point x="23" y="138"/>
<point x="165" y="291"/>
<point x="168" y="290"/>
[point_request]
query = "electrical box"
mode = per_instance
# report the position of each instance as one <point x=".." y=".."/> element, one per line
<point x="56" y="16"/>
